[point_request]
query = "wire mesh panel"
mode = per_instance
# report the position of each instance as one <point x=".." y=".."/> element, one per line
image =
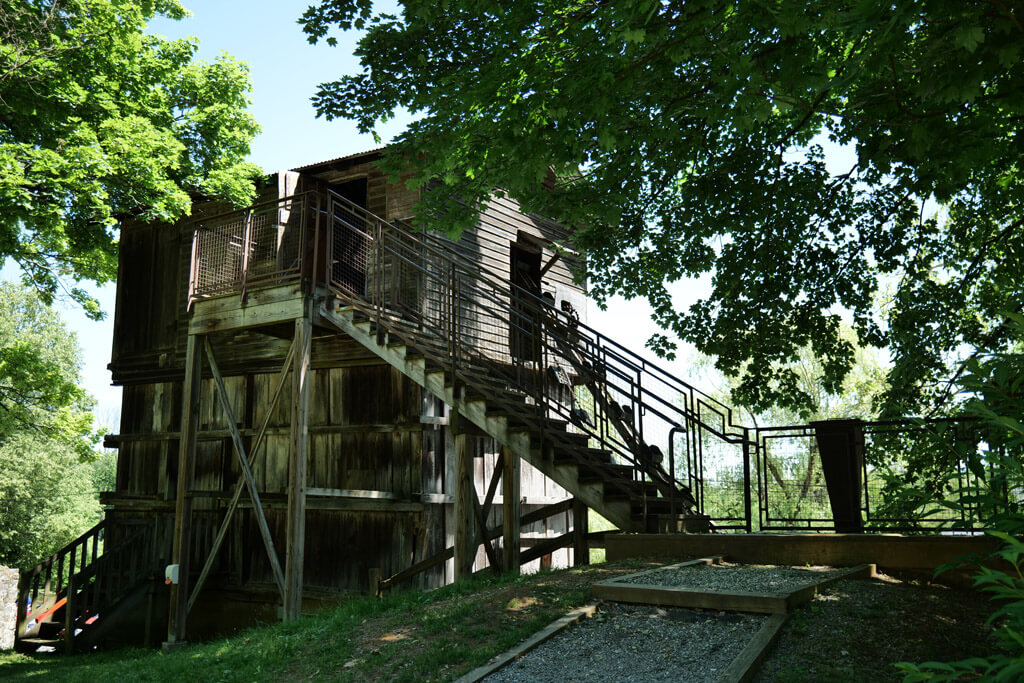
<point x="350" y="244"/>
<point x="791" y="484"/>
<point x="917" y="475"/>
<point x="261" y="245"/>
<point x="218" y="257"/>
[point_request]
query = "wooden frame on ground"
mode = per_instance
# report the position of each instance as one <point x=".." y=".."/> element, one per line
<point x="761" y="603"/>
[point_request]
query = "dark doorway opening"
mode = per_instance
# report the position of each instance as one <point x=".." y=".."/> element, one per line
<point x="524" y="323"/>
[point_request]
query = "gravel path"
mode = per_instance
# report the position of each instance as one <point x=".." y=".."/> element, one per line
<point x="733" y="578"/>
<point x="638" y="643"/>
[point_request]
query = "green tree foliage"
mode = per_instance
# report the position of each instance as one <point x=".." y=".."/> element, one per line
<point x="859" y="396"/>
<point x="47" y="499"/>
<point x="997" y="383"/>
<point x="685" y="138"/>
<point x="47" y="478"/>
<point x="98" y="121"/>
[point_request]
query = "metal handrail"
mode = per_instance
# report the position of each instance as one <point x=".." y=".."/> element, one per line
<point x="616" y="375"/>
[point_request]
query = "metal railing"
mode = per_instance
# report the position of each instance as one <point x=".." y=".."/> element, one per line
<point x="673" y="447"/>
<point x="237" y="251"/>
<point x="489" y="333"/>
<point x="792" y="493"/>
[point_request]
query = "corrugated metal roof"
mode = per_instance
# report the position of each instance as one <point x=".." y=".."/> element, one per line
<point x="344" y="158"/>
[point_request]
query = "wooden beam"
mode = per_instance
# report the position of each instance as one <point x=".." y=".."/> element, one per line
<point x="262" y="307"/>
<point x="511" y="510"/>
<point x="421" y="566"/>
<point x="552" y="261"/>
<point x="178" y="608"/>
<point x="465" y="543"/>
<point x="747" y="662"/>
<point x="247" y="477"/>
<point x="737" y="601"/>
<point x="580" y="522"/>
<point x="296" y="539"/>
<point x="545" y="547"/>
<point x="352" y="493"/>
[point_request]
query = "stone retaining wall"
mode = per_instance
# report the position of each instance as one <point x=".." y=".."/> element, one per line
<point x="8" y="607"/>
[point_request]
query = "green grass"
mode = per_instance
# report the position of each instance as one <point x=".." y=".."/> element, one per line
<point x="598" y="523"/>
<point x="331" y="644"/>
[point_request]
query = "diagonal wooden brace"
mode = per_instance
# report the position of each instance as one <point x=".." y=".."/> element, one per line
<point x="247" y="476"/>
<point x="483" y="510"/>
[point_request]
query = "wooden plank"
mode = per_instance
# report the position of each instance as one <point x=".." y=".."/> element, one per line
<point x="178" y="609"/>
<point x="351" y="493"/>
<point x="650" y="594"/>
<point x="892" y="551"/>
<point x="738" y="601"/>
<point x="747" y="662"/>
<point x="264" y="307"/>
<point x="422" y="566"/>
<point x="545" y="547"/>
<point x="530" y="643"/>
<point x="511" y="509"/>
<point x="299" y="450"/>
<point x="114" y="440"/>
<point x="227" y="304"/>
<point x="580" y="523"/>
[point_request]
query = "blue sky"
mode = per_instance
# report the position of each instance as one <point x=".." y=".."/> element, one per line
<point x="285" y="71"/>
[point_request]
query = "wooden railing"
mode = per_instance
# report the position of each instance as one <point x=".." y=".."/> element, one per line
<point x="82" y="581"/>
<point x="45" y="586"/>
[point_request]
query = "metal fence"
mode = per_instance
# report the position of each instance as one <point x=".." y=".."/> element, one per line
<point x="793" y="495"/>
<point x="682" y="444"/>
<point x="237" y="251"/>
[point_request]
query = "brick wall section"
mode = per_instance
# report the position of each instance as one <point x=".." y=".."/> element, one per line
<point x="8" y="607"/>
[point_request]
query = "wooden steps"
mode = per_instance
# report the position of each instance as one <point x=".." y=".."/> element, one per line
<point x="486" y="400"/>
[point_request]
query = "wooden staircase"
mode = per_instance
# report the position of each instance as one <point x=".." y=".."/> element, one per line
<point x="510" y="417"/>
<point x="78" y="595"/>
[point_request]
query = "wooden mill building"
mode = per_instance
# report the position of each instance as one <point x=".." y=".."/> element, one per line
<point x="318" y="399"/>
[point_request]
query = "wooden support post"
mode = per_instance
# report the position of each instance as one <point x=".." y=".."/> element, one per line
<point x="580" y="523"/>
<point x="511" y="511"/>
<point x="178" y="611"/>
<point x="483" y="510"/>
<point x="374" y="582"/>
<point x="296" y="541"/>
<point x="465" y="521"/>
<point x="69" y="613"/>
